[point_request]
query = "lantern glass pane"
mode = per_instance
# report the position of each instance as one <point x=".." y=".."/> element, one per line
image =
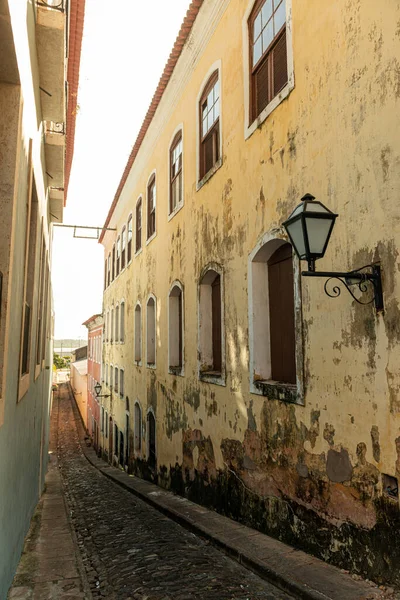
<point x="295" y="231"/>
<point x="316" y="207"/>
<point x="318" y="232"/>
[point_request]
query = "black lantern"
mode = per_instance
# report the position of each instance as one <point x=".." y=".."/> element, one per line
<point x="97" y="389"/>
<point x="309" y="228"/>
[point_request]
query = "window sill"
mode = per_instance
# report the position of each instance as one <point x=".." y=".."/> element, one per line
<point x="151" y="365"/>
<point x="138" y="252"/>
<point x="283" y="94"/>
<point x="178" y="371"/>
<point x="151" y="238"/>
<point x="138" y="363"/>
<point x="276" y="390"/>
<point x="208" y="175"/>
<point x="175" y="211"/>
<point x="215" y="377"/>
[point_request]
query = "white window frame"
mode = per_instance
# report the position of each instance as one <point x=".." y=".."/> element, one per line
<point x="148" y="240"/>
<point x="178" y="207"/>
<point x="151" y="365"/>
<point x="174" y="370"/>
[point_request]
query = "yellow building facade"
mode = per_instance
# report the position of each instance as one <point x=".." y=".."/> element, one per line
<point x="302" y="443"/>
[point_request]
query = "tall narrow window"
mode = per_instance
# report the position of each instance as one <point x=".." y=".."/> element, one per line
<point x="116" y="380"/>
<point x="117" y="263"/>
<point x="175" y="329"/>
<point x="151" y="332"/>
<point x="116" y="323"/>
<point x="123" y="248"/>
<point x="113" y="263"/>
<point x="107" y="324"/>
<point x="105" y="274"/>
<point x="122" y="323"/>
<point x="129" y="239"/>
<point x="273" y="328"/>
<point x="268" y="55"/>
<point x="106" y="374"/>
<point x="151" y="207"/>
<point x="116" y="441"/>
<point x="138" y="429"/>
<point x="121" y="383"/>
<point x="111" y="376"/>
<point x="138" y="333"/>
<point x="112" y="326"/>
<point x="138" y="233"/>
<point x="210" y="320"/>
<point x="209" y="125"/>
<point x="109" y="269"/>
<point x="175" y="195"/>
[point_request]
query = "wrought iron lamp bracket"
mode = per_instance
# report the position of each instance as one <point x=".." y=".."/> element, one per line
<point x="365" y="278"/>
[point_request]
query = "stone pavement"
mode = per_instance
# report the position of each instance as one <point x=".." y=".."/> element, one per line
<point x="50" y="566"/>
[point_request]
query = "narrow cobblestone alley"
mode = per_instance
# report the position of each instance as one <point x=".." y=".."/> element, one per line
<point x="130" y="550"/>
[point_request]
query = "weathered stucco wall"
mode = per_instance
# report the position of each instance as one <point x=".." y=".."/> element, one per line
<point x="312" y="474"/>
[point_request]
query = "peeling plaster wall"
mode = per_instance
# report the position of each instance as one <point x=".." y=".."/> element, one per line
<point x="310" y="475"/>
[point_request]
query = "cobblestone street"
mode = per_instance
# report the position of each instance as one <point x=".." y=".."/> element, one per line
<point x="130" y="550"/>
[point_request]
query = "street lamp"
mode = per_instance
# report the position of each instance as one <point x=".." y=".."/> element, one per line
<point x="97" y="389"/>
<point x="309" y="228"/>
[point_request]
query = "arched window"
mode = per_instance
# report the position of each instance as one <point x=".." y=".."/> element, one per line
<point x="151" y="206"/>
<point x="112" y="326"/>
<point x="151" y="439"/>
<point x="175" y="328"/>
<point x="116" y="380"/>
<point x="138" y="333"/>
<point x="138" y="429"/>
<point x="138" y="230"/>
<point x="268" y="54"/>
<point x="272" y="314"/>
<point x="151" y="332"/>
<point x="122" y="323"/>
<point x="123" y="247"/>
<point x="209" y="121"/>
<point x="129" y="258"/>
<point x="210" y="324"/>
<point x="175" y="174"/>
<point x="121" y="383"/>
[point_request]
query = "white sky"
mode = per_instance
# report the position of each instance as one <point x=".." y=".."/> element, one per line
<point x="125" y="47"/>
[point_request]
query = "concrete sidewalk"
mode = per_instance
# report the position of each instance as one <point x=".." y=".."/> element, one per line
<point x="50" y="566"/>
<point x="294" y="571"/>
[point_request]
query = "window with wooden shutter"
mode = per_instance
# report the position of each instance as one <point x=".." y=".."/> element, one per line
<point x="151" y="207"/>
<point x="209" y="117"/>
<point x="175" y="197"/>
<point x="210" y="325"/>
<point x="129" y="238"/>
<point x="113" y="264"/>
<point x="117" y="262"/>
<point x="268" y="53"/>
<point x="138" y="333"/>
<point x="138" y="232"/>
<point x="123" y="247"/>
<point x="175" y="330"/>
<point x="109" y="269"/>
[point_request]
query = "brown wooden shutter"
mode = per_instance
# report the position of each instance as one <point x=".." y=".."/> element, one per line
<point x="279" y="64"/>
<point x="180" y="332"/>
<point x="216" y="324"/>
<point x="281" y="314"/>
<point x="113" y="263"/>
<point x="261" y="87"/>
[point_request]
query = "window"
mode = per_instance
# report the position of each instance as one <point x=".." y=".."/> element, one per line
<point x="112" y="326"/>
<point x="138" y="429"/>
<point x="102" y="419"/>
<point x="116" y="379"/>
<point x="151" y="332"/>
<point x="122" y="323"/>
<point x="175" y="193"/>
<point x="116" y="440"/>
<point x="121" y="383"/>
<point x="105" y="273"/>
<point x="107" y="319"/>
<point x="268" y="54"/>
<point x="138" y="333"/>
<point x="210" y="324"/>
<point x="123" y="249"/>
<point x="129" y="239"/>
<point x="113" y="263"/>
<point x="111" y="376"/>
<point x="106" y="423"/>
<point x="209" y="125"/>
<point x="138" y="241"/>
<point x="118" y="255"/>
<point x="175" y="329"/>
<point x="272" y="317"/>
<point x="116" y="323"/>
<point x="106" y="375"/>
<point x="108" y="268"/>
<point x="151" y="207"/>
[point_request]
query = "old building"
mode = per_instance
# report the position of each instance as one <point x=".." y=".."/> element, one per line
<point x="79" y="378"/>
<point x="235" y="381"/>
<point x="36" y="146"/>
<point x="95" y="413"/>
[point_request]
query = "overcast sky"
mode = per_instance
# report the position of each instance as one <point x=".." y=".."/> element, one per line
<point x="125" y="47"/>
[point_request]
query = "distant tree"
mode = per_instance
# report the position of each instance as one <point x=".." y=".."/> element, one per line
<point x="59" y="361"/>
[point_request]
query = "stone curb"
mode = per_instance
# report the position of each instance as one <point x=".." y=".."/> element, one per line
<point x="294" y="571"/>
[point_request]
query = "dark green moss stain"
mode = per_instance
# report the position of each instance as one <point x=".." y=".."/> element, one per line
<point x="329" y="434"/>
<point x="338" y="466"/>
<point x="376" y="449"/>
<point x="152" y="393"/>
<point x="192" y="397"/>
<point x="251" y="421"/>
<point x="175" y="417"/>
